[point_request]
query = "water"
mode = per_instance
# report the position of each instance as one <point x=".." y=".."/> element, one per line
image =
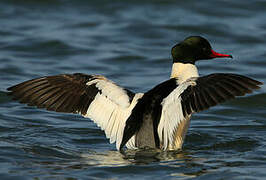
<point x="129" y="42"/>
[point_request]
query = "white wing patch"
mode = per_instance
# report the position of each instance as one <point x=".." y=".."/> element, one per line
<point x="112" y="91"/>
<point x="172" y="114"/>
<point x="110" y="110"/>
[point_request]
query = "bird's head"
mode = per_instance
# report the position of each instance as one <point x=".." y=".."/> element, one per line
<point x="194" y="48"/>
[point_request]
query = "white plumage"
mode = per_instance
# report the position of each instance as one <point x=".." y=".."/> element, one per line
<point x="183" y="72"/>
<point x="111" y="90"/>
<point x="172" y="114"/>
<point x="110" y="110"/>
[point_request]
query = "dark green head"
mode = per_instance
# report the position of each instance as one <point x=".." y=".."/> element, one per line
<point x="194" y="48"/>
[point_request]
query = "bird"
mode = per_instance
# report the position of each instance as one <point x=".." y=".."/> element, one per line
<point x="158" y="118"/>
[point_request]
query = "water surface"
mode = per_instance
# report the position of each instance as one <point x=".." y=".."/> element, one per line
<point x="129" y="42"/>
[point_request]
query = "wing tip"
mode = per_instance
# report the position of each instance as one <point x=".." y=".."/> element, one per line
<point x="9" y="88"/>
<point x="260" y="83"/>
<point x="12" y="88"/>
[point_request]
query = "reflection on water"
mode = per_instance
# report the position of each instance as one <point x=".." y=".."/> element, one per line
<point x="177" y="160"/>
<point x="109" y="158"/>
<point x="174" y="163"/>
<point x="146" y="156"/>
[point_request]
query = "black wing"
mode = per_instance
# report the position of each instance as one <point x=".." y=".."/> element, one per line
<point x="92" y="96"/>
<point x="71" y="93"/>
<point x="215" y="88"/>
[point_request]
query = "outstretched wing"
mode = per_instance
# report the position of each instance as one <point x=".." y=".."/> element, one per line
<point x="197" y="94"/>
<point x="92" y="96"/>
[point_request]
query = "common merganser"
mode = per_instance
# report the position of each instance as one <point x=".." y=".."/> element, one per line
<point x="158" y="118"/>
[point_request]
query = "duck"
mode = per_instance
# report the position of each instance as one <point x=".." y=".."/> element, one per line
<point x="158" y="118"/>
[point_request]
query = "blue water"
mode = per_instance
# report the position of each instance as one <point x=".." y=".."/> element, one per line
<point x="129" y="42"/>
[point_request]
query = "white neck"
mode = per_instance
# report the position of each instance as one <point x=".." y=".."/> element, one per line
<point x="184" y="71"/>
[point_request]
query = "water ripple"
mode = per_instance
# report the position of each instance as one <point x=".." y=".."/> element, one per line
<point x="130" y="43"/>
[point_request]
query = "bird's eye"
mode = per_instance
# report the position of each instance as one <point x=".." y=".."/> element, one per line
<point x="204" y="49"/>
